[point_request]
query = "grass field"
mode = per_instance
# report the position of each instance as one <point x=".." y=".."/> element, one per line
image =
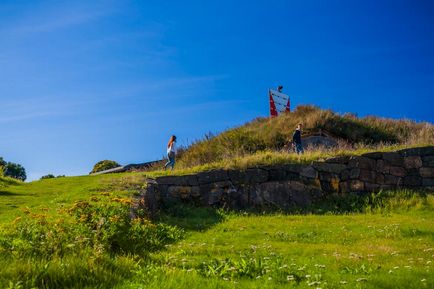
<point x="380" y="241"/>
<point x="393" y="250"/>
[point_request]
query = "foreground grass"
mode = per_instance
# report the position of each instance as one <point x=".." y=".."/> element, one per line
<point x="380" y="241"/>
<point x="347" y="251"/>
<point x="52" y="194"/>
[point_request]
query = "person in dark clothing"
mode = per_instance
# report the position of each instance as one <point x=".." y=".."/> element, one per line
<point x="296" y="140"/>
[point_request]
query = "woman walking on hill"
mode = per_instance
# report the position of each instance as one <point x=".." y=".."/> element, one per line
<point x="171" y="152"/>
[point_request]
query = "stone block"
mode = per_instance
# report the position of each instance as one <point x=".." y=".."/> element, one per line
<point x="181" y="192"/>
<point x="397" y="171"/>
<point x="412" y="181"/>
<point x="215" y="196"/>
<point x="392" y="180"/>
<point x="329" y="167"/>
<point x="393" y="159"/>
<point x="428" y="182"/>
<point x="372" y="187"/>
<point x="237" y="176"/>
<point x="339" y="160"/>
<point x="344" y="187"/>
<point x="316" y="193"/>
<point x="379" y="178"/>
<point x="367" y="176"/>
<point x="191" y="180"/>
<point x="412" y="162"/>
<point x="354" y="173"/>
<point x="204" y="191"/>
<point x="300" y="199"/>
<point x="212" y="176"/>
<point x="274" y="193"/>
<point x="413" y="172"/>
<point x="195" y="191"/>
<point x="422" y="151"/>
<point x="331" y="186"/>
<point x="428" y="161"/>
<point x="427" y="151"/>
<point x="293" y="168"/>
<point x="427" y="172"/>
<point x="327" y="176"/>
<point x="163" y="190"/>
<point x="373" y="155"/>
<point x="362" y="163"/>
<point x="256" y="175"/>
<point x="277" y="174"/>
<point x="311" y="182"/>
<point x="410" y="152"/>
<point x="309" y="172"/>
<point x="356" y="186"/>
<point x="379" y="167"/>
<point x="345" y="175"/>
<point x="172" y="180"/>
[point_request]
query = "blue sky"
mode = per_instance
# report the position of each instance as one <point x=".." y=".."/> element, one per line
<point x="82" y="81"/>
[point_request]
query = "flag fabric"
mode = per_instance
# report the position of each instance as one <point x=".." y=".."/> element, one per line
<point x="279" y="102"/>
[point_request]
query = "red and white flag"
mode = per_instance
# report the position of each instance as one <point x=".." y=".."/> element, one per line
<point x="279" y="102"/>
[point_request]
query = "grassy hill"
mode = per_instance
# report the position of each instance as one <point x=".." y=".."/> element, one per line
<point x="265" y="134"/>
<point x="77" y="232"/>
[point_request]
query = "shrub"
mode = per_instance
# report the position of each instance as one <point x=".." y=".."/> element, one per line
<point x="2" y="165"/>
<point x="15" y="171"/>
<point x="49" y="176"/>
<point x="100" y="225"/>
<point x="104" y="165"/>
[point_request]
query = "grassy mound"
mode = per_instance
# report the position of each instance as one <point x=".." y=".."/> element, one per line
<point x="89" y="241"/>
<point x="265" y="134"/>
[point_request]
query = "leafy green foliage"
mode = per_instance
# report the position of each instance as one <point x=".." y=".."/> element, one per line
<point x="49" y="176"/>
<point x="15" y="171"/>
<point x="104" y="165"/>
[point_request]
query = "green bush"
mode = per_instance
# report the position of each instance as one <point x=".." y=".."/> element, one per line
<point x="104" y="165"/>
<point x="15" y="171"/>
<point x="102" y="225"/>
<point x="49" y="176"/>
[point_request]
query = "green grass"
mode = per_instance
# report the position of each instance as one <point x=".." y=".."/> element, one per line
<point x="52" y="194"/>
<point x="382" y="240"/>
<point x="388" y="245"/>
<point x="269" y="158"/>
<point x="265" y="134"/>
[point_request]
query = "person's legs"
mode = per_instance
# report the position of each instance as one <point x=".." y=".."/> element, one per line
<point x="173" y="161"/>
<point x="299" y="148"/>
<point x="169" y="162"/>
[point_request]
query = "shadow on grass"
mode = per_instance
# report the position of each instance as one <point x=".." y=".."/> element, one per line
<point x="6" y="193"/>
<point x="191" y="218"/>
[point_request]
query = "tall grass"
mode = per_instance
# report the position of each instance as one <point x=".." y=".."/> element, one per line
<point x="272" y="134"/>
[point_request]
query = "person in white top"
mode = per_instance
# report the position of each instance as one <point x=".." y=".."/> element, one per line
<point x="171" y="152"/>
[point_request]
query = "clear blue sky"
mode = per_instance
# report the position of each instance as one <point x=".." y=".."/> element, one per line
<point x="82" y="81"/>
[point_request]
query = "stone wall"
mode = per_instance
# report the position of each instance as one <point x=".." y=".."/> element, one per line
<point x="296" y="185"/>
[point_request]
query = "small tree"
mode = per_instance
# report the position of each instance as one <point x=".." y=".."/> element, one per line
<point x="104" y="165"/>
<point x="15" y="171"/>
<point x="2" y="166"/>
<point x="49" y="176"/>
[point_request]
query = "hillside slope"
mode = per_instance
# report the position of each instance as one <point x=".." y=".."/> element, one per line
<point x="273" y="134"/>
